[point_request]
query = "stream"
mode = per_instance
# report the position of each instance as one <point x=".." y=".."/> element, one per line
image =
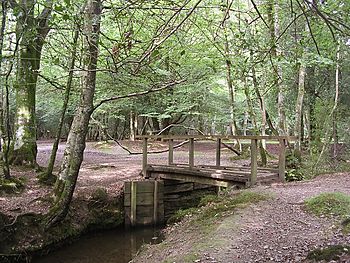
<point x="113" y="246"/>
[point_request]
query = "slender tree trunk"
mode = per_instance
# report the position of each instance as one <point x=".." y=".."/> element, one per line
<point x="133" y="125"/>
<point x="335" y="135"/>
<point x="273" y="22"/>
<point x="51" y="164"/>
<point x="73" y="155"/>
<point x="31" y="32"/>
<point x="299" y="107"/>
<point x="327" y="125"/>
<point x="262" y="143"/>
<point x="231" y="89"/>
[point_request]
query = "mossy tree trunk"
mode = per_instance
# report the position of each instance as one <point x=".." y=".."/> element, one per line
<point x="30" y="32"/>
<point x="73" y="155"/>
<point x="4" y="120"/>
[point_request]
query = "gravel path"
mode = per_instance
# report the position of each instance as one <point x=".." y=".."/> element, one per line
<point x="277" y="230"/>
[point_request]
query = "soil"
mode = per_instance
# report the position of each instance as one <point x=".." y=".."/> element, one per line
<point x="276" y="230"/>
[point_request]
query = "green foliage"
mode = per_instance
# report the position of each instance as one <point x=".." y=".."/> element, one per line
<point x="293" y="166"/>
<point x="329" y="204"/>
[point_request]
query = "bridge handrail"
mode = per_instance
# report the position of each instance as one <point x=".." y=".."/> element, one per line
<point x="222" y="137"/>
<point x="219" y="138"/>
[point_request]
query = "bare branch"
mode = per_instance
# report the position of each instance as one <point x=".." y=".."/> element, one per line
<point x="259" y="14"/>
<point x="137" y="94"/>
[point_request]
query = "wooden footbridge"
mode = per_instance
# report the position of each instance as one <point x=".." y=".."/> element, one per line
<point x="215" y="174"/>
<point x="170" y="180"/>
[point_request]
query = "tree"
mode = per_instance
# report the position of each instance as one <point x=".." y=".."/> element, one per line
<point x="31" y="32"/>
<point x="73" y="154"/>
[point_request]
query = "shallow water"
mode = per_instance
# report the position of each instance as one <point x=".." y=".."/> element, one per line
<point x="115" y="246"/>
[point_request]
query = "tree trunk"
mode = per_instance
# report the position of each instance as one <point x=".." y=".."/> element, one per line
<point x="231" y="89"/>
<point x="31" y="32"/>
<point x="51" y="164"/>
<point x="4" y="107"/>
<point x="133" y="125"/>
<point x="272" y="14"/>
<point x="299" y="107"/>
<point x="73" y="155"/>
<point x="262" y="143"/>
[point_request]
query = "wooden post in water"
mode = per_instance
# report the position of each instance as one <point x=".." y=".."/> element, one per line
<point x="133" y="203"/>
<point x="218" y="151"/>
<point x="144" y="157"/>
<point x="254" y="161"/>
<point x="282" y="160"/>
<point x="155" y="203"/>
<point x="171" y="152"/>
<point x="191" y="153"/>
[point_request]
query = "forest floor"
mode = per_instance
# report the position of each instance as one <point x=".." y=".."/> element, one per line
<point x="276" y="230"/>
<point x="105" y="165"/>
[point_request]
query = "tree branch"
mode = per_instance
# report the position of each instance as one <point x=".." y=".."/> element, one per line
<point x="259" y="14"/>
<point x="137" y="94"/>
<point x="158" y="43"/>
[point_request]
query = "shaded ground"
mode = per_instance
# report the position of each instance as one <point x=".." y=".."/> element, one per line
<point x="104" y="166"/>
<point x="277" y="230"/>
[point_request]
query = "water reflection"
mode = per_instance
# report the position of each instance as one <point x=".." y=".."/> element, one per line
<point x="116" y="246"/>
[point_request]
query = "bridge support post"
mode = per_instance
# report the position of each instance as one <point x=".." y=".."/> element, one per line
<point x="218" y="152"/>
<point x="191" y="153"/>
<point x="171" y="152"/>
<point x="133" y="193"/>
<point x="254" y="161"/>
<point x="144" y="158"/>
<point x="282" y="160"/>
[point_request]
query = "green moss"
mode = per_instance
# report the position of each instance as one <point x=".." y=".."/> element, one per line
<point x="217" y="206"/>
<point x="46" y="179"/>
<point x="12" y="185"/>
<point x="329" y="204"/>
<point x="329" y="253"/>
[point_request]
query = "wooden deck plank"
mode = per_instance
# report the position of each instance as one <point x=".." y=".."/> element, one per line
<point x="208" y="173"/>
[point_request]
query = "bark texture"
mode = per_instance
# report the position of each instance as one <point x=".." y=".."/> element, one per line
<point x="73" y="155"/>
<point x="30" y="32"/>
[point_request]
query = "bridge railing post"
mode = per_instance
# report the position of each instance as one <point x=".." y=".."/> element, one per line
<point x="282" y="160"/>
<point x="254" y="161"/>
<point x="191" y="153"/>
<point x="218" y="152"/>
<point x="144" y="157"/>
<point x="171" y="152"/>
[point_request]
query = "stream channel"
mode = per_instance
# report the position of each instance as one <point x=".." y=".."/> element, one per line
<point x="113" y="246"/>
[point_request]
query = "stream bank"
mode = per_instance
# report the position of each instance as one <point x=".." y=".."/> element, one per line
<point x="24" y="236"/>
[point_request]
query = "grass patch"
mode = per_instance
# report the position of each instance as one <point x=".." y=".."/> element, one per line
<point x="213" y="206"/>
<point x="329" y="253"/>
<point x="329" y="204"/>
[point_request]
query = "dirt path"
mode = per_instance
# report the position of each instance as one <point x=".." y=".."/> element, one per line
<point x="105" y="166"/>
<point x="277" y="230"/>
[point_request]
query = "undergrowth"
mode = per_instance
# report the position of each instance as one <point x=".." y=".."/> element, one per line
<point x="213" y="206"/>
<point x="328" y="254"/>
